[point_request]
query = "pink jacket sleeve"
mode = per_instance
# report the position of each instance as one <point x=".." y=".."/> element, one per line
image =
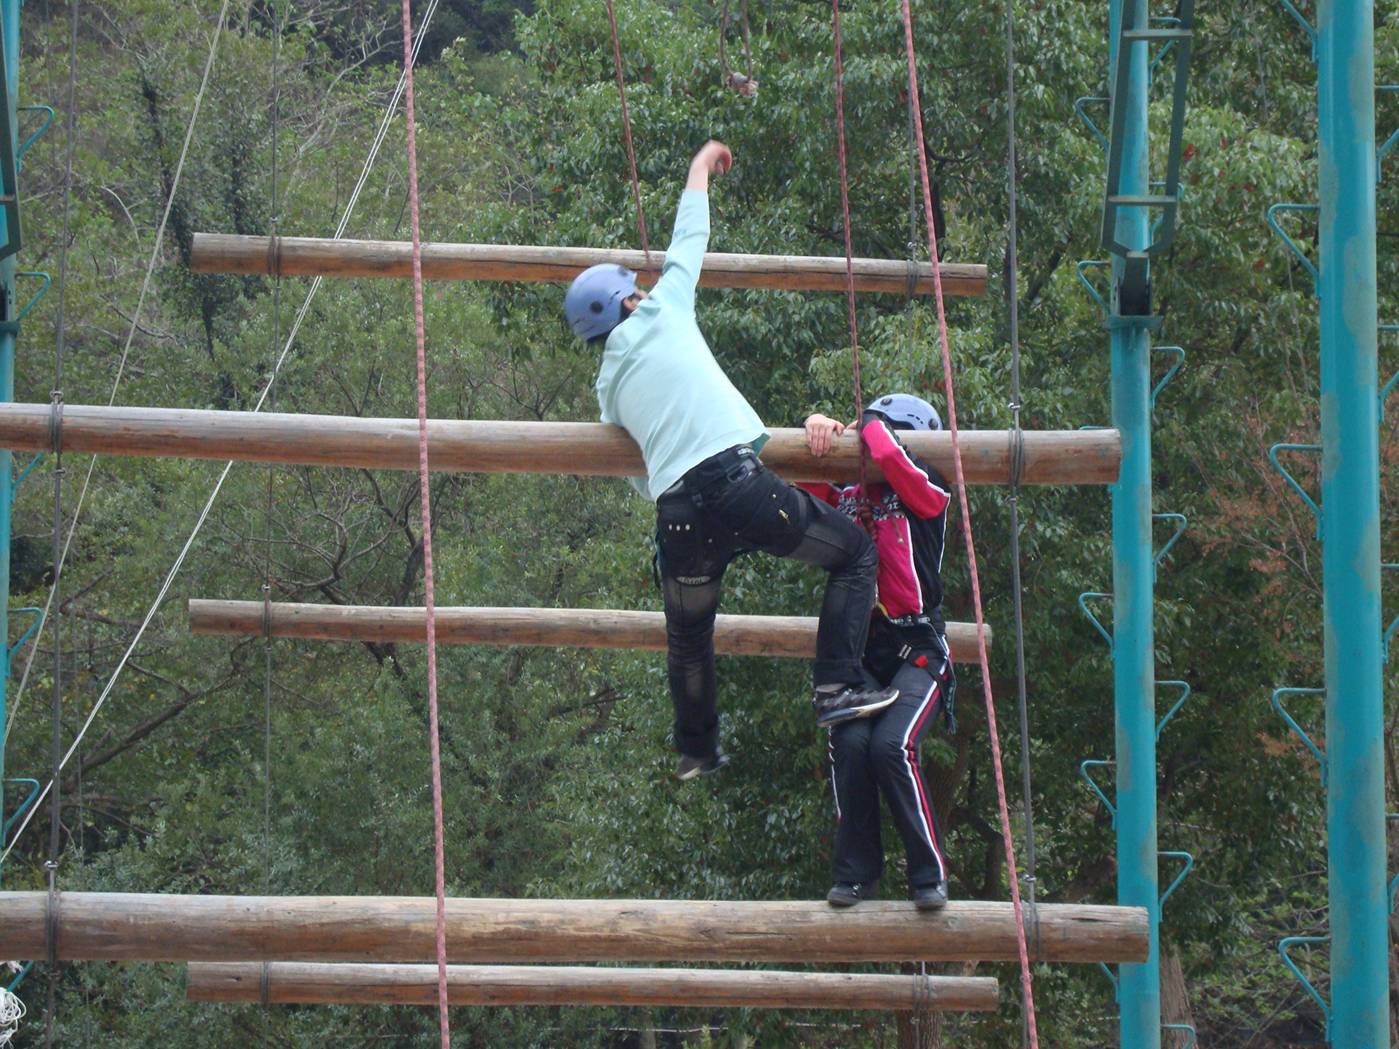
<point x="920" y="494"/>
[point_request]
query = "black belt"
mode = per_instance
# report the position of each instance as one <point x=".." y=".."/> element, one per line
<point x="732" y="465"/>
<point x="910" y="621"/>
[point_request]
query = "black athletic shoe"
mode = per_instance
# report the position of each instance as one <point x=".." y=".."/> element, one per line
<point x="930" y="897"/>
<point x="849" y="893"/>
<point x="690" y="768"/>
<point x="849" y="703"/>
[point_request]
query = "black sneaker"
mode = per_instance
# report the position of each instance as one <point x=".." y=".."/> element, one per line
<point x="690" y="768"/>
<point x="849" y="893"/>
<point x="930" y="897"/>
<point x="850" y="702"/>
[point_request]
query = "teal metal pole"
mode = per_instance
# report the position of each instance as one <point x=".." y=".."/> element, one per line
<point x="9" y="15"/>
<point x="1134" y="671"/>
<point x="1355" y="809"/>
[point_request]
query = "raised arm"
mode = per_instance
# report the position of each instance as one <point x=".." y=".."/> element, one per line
<point x="690" y="238"/>
<point x="921" y="490"/>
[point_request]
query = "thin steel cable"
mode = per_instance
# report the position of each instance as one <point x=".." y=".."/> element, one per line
<point x="1007" y="836"/>
<point x="60" y="341"/>
<point x="626" y="131"/>
<point x="1017" y="466"/>
<point x="228" y="466"/>
<point x="126" y="348"/>
<point x="865" y="513"/>
<point x="274" y="222"/>
<point x="425" y="498"/>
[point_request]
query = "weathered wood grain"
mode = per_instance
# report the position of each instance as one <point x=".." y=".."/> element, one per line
<point x="311" y="983"/>
<point x="789" y="636"/>
<point x="325" y="257"/>
<point x="173" y="928"/>
<point x="474" y="446"/>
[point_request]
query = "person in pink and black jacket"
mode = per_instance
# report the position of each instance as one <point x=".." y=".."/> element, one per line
<point x="906" y="649"/>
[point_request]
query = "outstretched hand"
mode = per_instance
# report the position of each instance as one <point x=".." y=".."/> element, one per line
<point x="713" y="158"/>
<point x="716" y="157"/>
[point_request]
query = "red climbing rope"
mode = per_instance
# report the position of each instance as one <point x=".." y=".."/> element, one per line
<point x="1025" y="980"/>
<point x="424" y="488"/>
<point x="866" y="513"/>
<point x="626" y="131"/>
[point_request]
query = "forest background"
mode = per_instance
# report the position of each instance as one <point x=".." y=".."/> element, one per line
<point x="557" y="765"/>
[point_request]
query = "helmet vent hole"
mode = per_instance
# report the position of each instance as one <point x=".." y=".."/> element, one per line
<point x="595" y="306"/>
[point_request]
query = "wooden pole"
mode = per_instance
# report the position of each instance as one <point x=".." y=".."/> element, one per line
<point x="103" y="926"/>
<point x="1050" y="456"/>
<point x="310" y="983"/>
<point x="789" y="636"/>
<point x="324" y="257"/>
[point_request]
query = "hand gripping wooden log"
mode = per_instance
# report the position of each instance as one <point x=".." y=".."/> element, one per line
<point x="324" y="257"/>
<point x="103" y="926"/>
<point x="473" y="446"/>
<point x="312" y="983"/>
<point x="789" y="636"/>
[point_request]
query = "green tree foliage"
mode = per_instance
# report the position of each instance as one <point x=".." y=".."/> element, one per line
<point x="556" y="763"/>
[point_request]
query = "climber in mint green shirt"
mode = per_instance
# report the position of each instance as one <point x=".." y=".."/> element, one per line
<point x="700" y="440"/>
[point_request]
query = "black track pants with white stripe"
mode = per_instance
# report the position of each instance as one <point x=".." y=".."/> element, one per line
<point x="879" y="756"/>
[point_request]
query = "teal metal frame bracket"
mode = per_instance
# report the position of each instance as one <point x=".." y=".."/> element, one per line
<point x="1182" y="523"/>
<point x="1292" y="482"/>
<point x="1188" y="1030"/>
<point x="1179" y="353"/>
<point x="1131" y="292"/>
<point x="35" y="787"/>
<point x="1093" y="595"/>
<point x="1079" y="104"/>
<point x="1184" y="687"/>
<point x="12" y="326"/>
<point x="38" y="132"/>
<point x="1284" y="948"/>
<point x="1082" y="268"/>
<point x="1388" y="387"/>
<point x="1388" y="145"/>
<point x="19" y="977"/>
<point x="9" y="162"/>
<point x="1297" y="250"/>
<point x="14" y="650"/>
<point x="1087" y="776"/>
<point x="1188" y="864"/>
<point x="1302" y="21"/>
<point x="28" y="469"/>
<point x="1297" y="729"/>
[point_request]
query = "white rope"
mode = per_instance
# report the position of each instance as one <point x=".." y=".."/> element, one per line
<point x="11" y="1013"/>
<point x="228" y="466"/>
<point x="126" y="349"/>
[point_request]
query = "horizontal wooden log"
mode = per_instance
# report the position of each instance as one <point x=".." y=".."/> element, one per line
<point x="104" y="926"/>
<point x="325" y="257"/>
<point x="1050" y="456"/>
<point x="312" y="983"/>
<point x="789" y="636"/>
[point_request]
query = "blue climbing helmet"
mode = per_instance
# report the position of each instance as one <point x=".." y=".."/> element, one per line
<point x="906" y="411"/>
<point x="593" y="305"/>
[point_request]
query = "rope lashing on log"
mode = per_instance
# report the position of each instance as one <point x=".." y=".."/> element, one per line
<point x="312" y="983"/>
<point x="324" y="257"/>
<point x="792" y="637"/>
<point x="476" y="446"/>
<point x="98" y="926"/>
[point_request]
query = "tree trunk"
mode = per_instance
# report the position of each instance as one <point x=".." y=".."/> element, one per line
<point x="1175" y="1003"/>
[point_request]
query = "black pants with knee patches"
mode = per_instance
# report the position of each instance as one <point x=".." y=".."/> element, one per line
<point x="877" y="756"/>
<point x="727" y="505"/>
